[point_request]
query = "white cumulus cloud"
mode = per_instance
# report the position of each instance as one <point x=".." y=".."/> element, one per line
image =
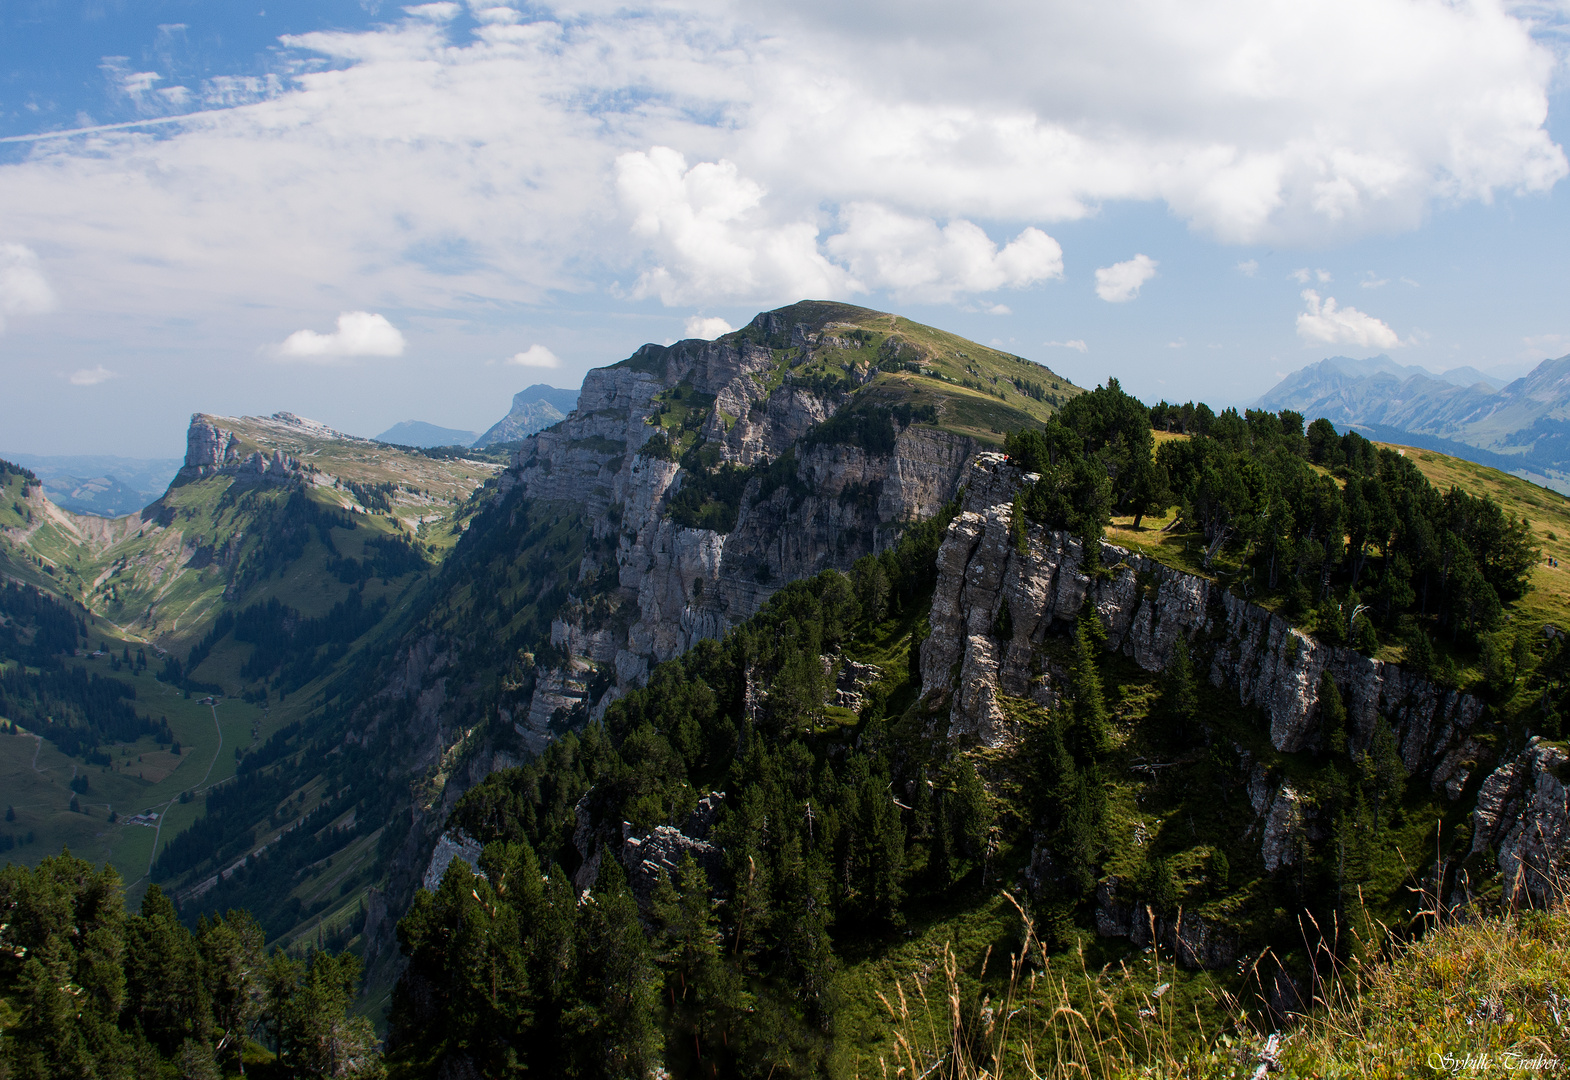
<point x="359" y="333"/>
<point x="90" y="376"/>
<point x="710" y="237"/>
<point x="460" y="165"/>
<point x="707" y="327"/>
<point x="1328" y="323"/>
<point x="535" y="356"/>
<point x="916" y="259"/>
<point x="1120" y="282"/>
<point x="1076" y="344"/>
<point x="23" y="288"/>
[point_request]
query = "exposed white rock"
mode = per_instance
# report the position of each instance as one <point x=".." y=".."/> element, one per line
<point x="677" y="585"/>
<point x="1523" y="812"/>
<point x="1278" y="848"/>
<point x="453" y="844"/>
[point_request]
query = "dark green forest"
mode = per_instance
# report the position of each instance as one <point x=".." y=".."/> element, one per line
<point x="93" y="992"/>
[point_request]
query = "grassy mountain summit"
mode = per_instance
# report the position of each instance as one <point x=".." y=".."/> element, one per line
<point x="976" y="390"/>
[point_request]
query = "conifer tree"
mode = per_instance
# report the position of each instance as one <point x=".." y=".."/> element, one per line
<point x="165" y="994"/>
<point x="1332" y="714"/>
<point x="233" y="962"/>
<point x="969" y="812"/>
<point x="1384" y="770"/>
<point x="611" y="1030"/>
<point x="1180" y="695"/>
<point x="1090" y="707"/>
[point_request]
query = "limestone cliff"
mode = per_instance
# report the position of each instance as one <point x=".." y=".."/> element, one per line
<point x="1522" y="809"/>
<point x="677" y="584"/>
<point x="1523" y="813"/>
<point x="1145" y="605"/>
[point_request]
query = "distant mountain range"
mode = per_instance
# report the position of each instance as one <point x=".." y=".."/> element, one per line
<point x="1521" y="427"/>
<point x="102" y="485"/>
<point x="419" y="433"/>
<point x="534" y="409"/>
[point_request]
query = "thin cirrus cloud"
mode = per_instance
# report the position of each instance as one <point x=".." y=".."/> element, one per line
<point x="1325" y="322"/>
<point x="796" y="151"/>
<point x="359" y="333"/>
<point x="535" y="356"/>
<point x="1120" y="282"/>
<point x="23" y="288"/>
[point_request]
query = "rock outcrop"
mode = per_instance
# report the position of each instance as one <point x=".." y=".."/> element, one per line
<point x="1194" y="942"/>
<point x="1144" y="606"/>
<point x="676" y="585"/>
<point x="211" y="448"/>
<point x="1523" y="813"/>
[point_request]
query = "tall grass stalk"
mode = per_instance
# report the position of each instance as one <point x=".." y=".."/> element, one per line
<point x="1479" y="995"/>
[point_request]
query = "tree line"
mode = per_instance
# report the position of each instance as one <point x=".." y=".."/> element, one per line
<point x="97" y="992"/>
<point x="1347" y="536"/>
<point x="829" y="830"/>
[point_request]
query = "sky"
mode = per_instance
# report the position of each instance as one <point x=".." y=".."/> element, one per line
<point x="363" y="212"/>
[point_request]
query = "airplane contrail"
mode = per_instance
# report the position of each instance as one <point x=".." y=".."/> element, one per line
<point x="40" y="136"/>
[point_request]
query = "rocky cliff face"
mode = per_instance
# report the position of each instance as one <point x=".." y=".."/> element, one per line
<point x="1145" y="605"/>
<point x="676" y="585"/>
<point x="1522" y="812"/>
<point x="211" y="449"/>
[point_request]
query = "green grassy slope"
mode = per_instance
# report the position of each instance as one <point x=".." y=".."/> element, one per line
<point x="977" y="390"/>
<point x="369" y="526"/>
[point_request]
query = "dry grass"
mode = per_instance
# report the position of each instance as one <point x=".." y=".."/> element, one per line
<point x="1480" y="996"/>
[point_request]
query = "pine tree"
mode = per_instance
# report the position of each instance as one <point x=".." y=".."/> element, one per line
<point x="308" y="1011"/>
<point x="1180" y="695"/>
<point x="684" y="915"/>
<point x="1384" y="769"/>
<point x="1090" y="708"/>
<point x="613" y="1030"/>
<point x="969" y="812"/>
<point x="233" y="962"/>
<point x="1332" y="714"/>
<point x="164" y="990"/>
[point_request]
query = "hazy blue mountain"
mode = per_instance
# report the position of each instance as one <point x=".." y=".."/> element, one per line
<point x="534" y="409"/>
<point x="1470" y="376"/>
<point x="1522" y="426"/>
<point x="419" y="433"/>
<point x="100" y="484"/>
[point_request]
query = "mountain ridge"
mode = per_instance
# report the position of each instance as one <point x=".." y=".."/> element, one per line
<point x="1525" y="423"/>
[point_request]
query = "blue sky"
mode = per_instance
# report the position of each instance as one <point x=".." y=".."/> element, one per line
<point x="365" y="213"/>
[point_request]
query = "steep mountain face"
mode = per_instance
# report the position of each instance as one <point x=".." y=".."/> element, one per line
<point x="1146" y="606"/>
<point x="690" y="483"/>
<point x="533" y="409"/>
<point x="676" y="583"/>
<point x="246" y="507"/>
<point x="1522" y="427"/>
<point x="709" y="474"/>
<point x="1036" y="588"/>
